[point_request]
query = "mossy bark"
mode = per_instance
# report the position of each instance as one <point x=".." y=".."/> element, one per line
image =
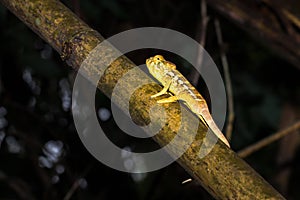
<point x="221" y="172"/>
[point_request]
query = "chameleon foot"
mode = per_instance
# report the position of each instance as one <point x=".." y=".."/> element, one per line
<point x="168" y="100"/>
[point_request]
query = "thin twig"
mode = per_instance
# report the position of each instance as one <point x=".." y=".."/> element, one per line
<point x="20" y="188"/>
<point x="202" y="38"/>
<point x="72" y="190"/>
<point x="264" y="142"/>
<point x="76" y="183"/>
<point x="227" y="81"/>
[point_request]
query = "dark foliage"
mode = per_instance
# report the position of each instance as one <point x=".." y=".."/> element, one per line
<point x="41" y="155"/>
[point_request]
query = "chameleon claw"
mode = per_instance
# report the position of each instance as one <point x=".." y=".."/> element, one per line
<point x="158" y="94"/>
<point x="163" y="91"/>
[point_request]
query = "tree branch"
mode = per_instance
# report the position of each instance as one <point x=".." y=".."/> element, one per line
<point x="266" y="141"/>
<point x="201" y="37"/>
<point x="227" y="80"/>
<point x="276" y="24"/>
<point x="222" y="172"/>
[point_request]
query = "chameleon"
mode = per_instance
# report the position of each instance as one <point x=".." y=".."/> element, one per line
<point x="165" y="72"/>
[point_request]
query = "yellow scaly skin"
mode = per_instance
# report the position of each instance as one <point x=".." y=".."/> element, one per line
<point x="165" y="72"/>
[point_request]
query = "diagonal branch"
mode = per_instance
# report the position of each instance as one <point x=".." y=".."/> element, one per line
<point x="201" y="37"/>
<point x="222" y="172"/>
<point x="268" y="140"/>
<point x="274" y="23"/>
<point x="227" y="81"/>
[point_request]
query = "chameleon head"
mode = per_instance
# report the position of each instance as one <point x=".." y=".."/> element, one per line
<point x="159" y="67"/>
<point x="155" y="63"/>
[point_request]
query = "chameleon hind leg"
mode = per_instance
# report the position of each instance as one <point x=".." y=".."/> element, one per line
<point x="163" y="91"/>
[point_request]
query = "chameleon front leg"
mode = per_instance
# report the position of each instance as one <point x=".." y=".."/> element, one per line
<point x="168" y="100"/>
<point x="163" y="91"/>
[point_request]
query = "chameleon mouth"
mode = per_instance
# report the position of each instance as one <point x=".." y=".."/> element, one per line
<point x="149" y="61"/>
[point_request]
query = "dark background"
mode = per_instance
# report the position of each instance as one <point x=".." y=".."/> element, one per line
<point x="41" y="155"/>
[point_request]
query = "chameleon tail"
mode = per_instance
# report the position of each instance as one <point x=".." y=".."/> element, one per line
<point x="210" y="124"/>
